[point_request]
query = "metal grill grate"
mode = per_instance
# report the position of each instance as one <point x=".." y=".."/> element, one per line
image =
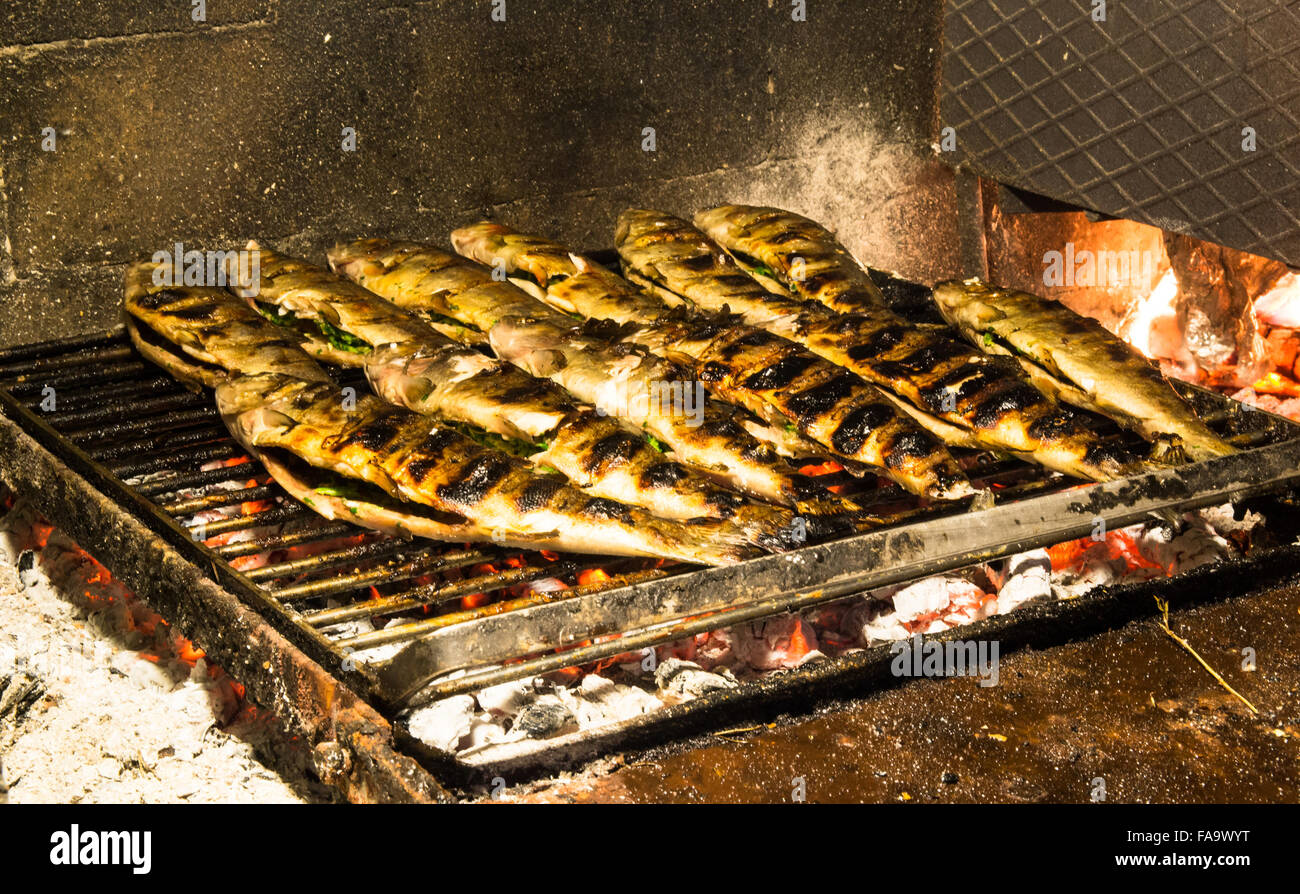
<point x="471" y="615"/>
<point x="1139" y="116"/>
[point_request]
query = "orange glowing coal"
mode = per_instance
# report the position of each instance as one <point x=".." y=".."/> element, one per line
<point x="830" y="467"/>
<point x="799" y="645"/>
<point x="1072" y="555"/>
<point x="1280" y="305"/>
<point x="589" y="576"/>
<point x="1276" y="383"/>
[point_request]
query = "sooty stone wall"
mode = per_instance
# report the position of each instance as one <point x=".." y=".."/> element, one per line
<point x="167" y="129"/>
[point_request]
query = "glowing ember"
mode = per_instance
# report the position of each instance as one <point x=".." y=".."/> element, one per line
<point x="589" y="576"/>
<point x="1153" y="321"/>
<point x="829" y="467"/>
<point x="1280" y="305"/>
<point x="1276" y="383"/>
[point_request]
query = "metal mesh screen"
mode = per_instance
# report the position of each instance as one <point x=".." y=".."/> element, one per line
<point x="1140" y="115"/>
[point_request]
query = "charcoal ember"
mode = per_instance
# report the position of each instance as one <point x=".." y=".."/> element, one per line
<point x="507" y="699"/>
<point x="1215" y="288"/>
<point x="1024" y="577"/>
<point x="939" y="602"/>
<point x="442" y="724"/>
<point x="716" y="649"/>
<point x="18" y="692"/>
<point x="1181" y="551"/>
<point x="548" y="716"/>
<point x="874" y="621"/>
<point x="1224" y="520"/>
<point x="686" y="679"/>
<point x="597" y="701"/>
<point x="27" y="573"/>
<point x="782" y="642"/>
<point x="1096" y="569"/>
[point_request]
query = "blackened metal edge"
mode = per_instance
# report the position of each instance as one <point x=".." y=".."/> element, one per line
<point x="108" y="484"/>
<point x="1038" y="625"/>
<point x="351" y="743"/>
<point x="821" y="573"/>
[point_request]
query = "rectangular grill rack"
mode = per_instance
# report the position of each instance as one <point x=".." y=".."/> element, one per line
<point x="160" y="450"/>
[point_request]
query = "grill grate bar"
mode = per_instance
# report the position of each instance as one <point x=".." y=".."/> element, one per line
<point x="92" y="376"/>
<point x="416" y="629"/>
<point x="182" y="508"/>
<point x="434" y="594"/>
<point x="25" y="367"/>
<point x="405" y="568"/>
<point x="191" y="480"/>
<point x="321" y="533"/>
<point x="371" y="549"/>
<point x="163" y="459"/>
<point x="180" y="419"/>
<point x="276" y="515"/>
<point x="68" y="346"/>
<point x="116" y="393"/>
<point x="109" y="409"/>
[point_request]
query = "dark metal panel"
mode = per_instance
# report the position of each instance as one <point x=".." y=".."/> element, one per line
<point x="1140" y="115"/>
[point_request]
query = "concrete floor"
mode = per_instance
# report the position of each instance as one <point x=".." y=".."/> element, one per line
<point x="1129" y="712"/>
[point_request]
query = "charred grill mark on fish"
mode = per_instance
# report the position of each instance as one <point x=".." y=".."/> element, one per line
<point x="546" y="341"/>
<point x="1077" y="360"/>
<point x="791" y="254"/>
<point x="956" y="391"/>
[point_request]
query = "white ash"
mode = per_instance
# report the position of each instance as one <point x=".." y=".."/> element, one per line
<point x="1023" y="578"/>
<point x="696" y="666"/>
<point x="684" y="680"/>
<point x="110" y="725"/>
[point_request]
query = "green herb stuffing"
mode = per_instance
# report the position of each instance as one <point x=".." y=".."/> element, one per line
<point x="513" y="446"/>
<point x="335" y="336"/>
<point x="344" y="341"/>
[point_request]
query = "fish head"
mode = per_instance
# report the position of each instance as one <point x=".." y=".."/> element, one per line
<point x="536" y="353"/>
<point x="963" y="303"/>
<point x="359" y="259"/>
<point x="480" y="241"/>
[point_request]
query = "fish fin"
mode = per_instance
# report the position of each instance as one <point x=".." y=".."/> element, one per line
<point x="1168" y="450"/>
<point x="1168" y="516"/>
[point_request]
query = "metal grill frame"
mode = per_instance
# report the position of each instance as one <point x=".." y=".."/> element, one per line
<point x="660" y="608"/>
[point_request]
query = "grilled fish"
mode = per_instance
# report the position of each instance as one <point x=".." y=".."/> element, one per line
<point x="464" y="491"/>
<point x="783" y="383"/>
<point x="1078" y="361"/>
<point x="964" y="397"/>
<point x="544" y="341"/>
<point x="760" y="371"/>
<point x="791" y="255"/>
<point x="412" y="458"/>
<point x="426" y="372"/>
<point x="213" y="332"/>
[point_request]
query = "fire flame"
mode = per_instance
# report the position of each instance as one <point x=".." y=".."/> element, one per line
<point x="1156" y="310"/>
<point x="1280" y="305"/>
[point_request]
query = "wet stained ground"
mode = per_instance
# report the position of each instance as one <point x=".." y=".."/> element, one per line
<point x="1128" y="713"/>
